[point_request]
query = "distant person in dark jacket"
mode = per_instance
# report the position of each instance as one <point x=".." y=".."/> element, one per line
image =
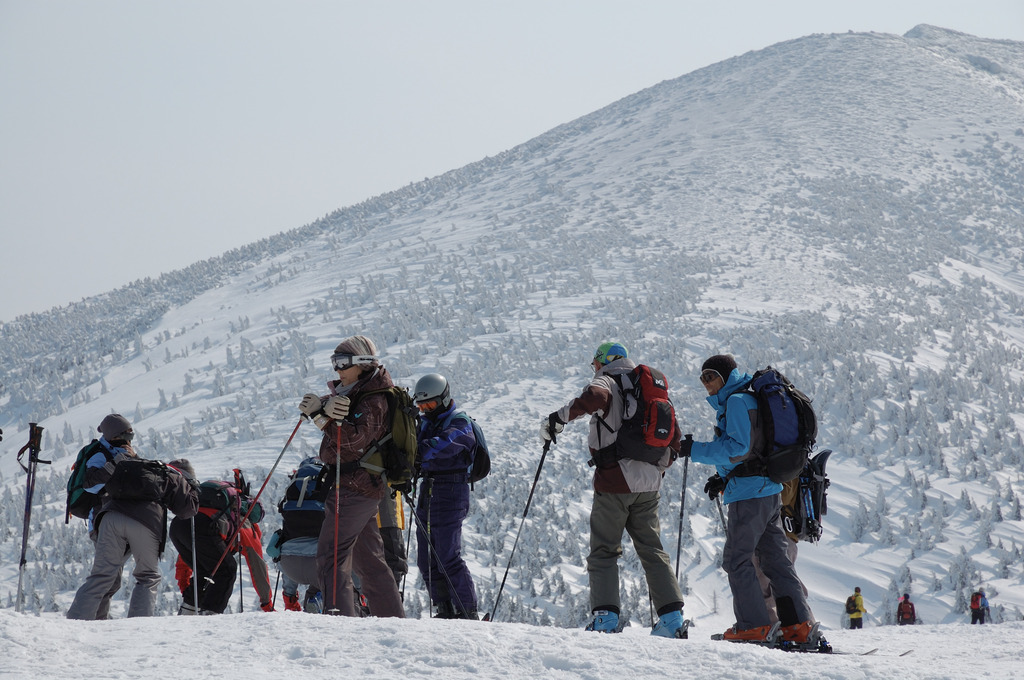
<point x="905" y="614"/>
<point x="126" y="529"/>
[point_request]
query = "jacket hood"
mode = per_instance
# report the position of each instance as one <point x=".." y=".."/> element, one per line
<point x="623" y="365"/>
<point x="736" y="382"/>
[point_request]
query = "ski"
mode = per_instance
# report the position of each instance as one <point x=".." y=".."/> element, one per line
<point x="821" y="646"/>
<point x="867" y="653"/>
<point x="871" y="652"/>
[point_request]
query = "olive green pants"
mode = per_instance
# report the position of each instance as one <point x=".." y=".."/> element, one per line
<point x="637" y="515"/>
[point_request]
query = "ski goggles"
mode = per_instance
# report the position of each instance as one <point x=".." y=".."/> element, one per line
<point x="427" y="406"/>
<point x="709" y="375"/>
<point x="343" y="361"/>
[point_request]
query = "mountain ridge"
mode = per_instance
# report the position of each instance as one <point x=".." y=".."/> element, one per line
<point x="843" y="206"/>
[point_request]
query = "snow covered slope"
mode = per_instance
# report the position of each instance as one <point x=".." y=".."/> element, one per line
<point x="845" y="207"/>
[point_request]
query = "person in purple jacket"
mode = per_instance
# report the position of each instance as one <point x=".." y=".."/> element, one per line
<point x="444" y="455"/>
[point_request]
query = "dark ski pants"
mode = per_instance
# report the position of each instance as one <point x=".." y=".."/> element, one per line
<point x="213" y="597"/>
<point x="440" y="511"/>
<point x="391" y="520"/>
<point x="358" y="548"/>
<point x="766" y="586"/>
<point x="754" y="527"/>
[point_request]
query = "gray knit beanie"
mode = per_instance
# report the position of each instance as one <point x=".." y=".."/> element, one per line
<point x="115" y="427"/>
<point x="184" y="467"/>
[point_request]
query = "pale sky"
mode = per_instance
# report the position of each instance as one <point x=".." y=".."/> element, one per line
<point x="138" y="137"/>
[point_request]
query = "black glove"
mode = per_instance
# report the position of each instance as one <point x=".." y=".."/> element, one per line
<point x="405" y="488"/>
<point x="685" y="446"/>
<point x="715" y="486"/>
<point x="550" y="427"/>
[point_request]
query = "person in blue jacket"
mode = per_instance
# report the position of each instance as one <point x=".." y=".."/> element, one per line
<point x="445" y="445"/>
<point x="754" y="524"/>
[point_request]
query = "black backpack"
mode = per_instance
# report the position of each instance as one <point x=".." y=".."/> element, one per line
<point x="138" y="479"/>
<point x="302" y="508"/>
<point x="788" y="424"/>
<point x="229" y="501"/>
<point x="802" y="511"/>
<point x="851" y="604"/>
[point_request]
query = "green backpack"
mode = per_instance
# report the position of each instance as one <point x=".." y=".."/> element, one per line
<point x="81" y="502"/>
<point x="393" y="456"/>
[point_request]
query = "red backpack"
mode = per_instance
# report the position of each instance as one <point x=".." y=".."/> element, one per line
<point x="648" y="418"/>
<point x="976" y="601"/>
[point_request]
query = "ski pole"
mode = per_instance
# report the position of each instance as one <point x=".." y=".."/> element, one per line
<point x="536" y="477"/>
<point x="252" y="505"/>
<point x="408" y="539"/>
<point x="195" y="570"/>
<point x="721" y="513"/>
<point x="33" y="446"/>
<point x="239" y="484"/>
<point x="337" y="515"/>
<point x="682" y="510"/>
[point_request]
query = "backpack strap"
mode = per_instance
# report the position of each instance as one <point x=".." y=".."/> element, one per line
<point x="363" y="462"/>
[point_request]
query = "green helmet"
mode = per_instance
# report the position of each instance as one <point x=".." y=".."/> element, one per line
<point x="609" y="352"/>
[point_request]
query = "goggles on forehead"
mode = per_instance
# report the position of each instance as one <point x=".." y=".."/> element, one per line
<point x="343" y="361"/>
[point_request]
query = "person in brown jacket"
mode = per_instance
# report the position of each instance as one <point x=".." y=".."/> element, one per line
<point x="626" y="499"/>
<point x="349" y="539"/>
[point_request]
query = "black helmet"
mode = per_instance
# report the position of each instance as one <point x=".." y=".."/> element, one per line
<point x="431" y="393"/>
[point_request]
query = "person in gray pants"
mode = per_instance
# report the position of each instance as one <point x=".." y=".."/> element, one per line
<point x="754" y="526"/>
<point x="126" y="528"/>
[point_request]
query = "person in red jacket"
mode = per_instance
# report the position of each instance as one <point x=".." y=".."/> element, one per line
<point x="216" y="541"/>
<point x="905" y="614"/>
<point x="250" y="542"/>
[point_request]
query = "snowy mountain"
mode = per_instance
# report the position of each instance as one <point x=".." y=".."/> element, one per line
<point x="847" y="208"/>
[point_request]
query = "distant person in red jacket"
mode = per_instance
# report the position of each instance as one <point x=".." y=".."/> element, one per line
<point x="979" y="606"/>
<point x="905" y="614"/>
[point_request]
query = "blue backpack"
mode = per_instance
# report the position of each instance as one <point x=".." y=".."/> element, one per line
<point x="789" y="425"/>
<point x="302" y="508"/>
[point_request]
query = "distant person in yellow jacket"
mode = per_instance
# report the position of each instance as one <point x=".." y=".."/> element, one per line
<point x="855" y="608"/>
